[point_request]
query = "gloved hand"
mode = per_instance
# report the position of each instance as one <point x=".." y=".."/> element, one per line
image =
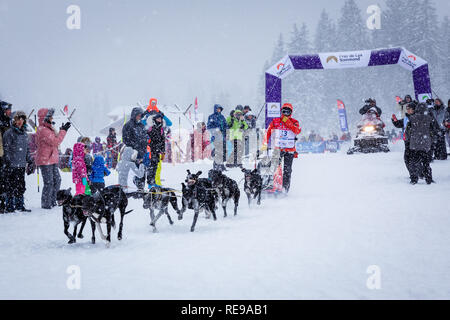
<point x="284" y="119"/>
<point x="30" y="167"/>
<point x="394" y="117"/>
<point x="65" y="126"/>
<point x="264" y="147"/>
<point x="242" y="126"/>
<point x="163" y="155"/>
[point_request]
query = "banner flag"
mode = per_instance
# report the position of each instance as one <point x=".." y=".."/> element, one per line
<point x="342" y="116"/>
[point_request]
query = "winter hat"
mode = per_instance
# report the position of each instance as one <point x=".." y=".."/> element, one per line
<point x="412" y="105"/>
<point x="151" y="107"/>
<point x="408" y="96"/>
<point x="237" y="110"/>
<point x="240" y="107"/>
<point x="157" y="116"/>
<point x="218" y="106"/>
<point x="5" y="105"/>
<point x="289" y="106"/>
<point x="49" y="115"/>
<point x="18" y="115"/>
<point x="247" y="108"/>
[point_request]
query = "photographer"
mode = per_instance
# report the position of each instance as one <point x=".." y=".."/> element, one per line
<point x="370" y="103"/>
<point x="236" y="125"/>
<point x="47" y="156"/>
<point x="439" y="148"/>
<point x="401" y="106"/>
<point x="447" y="123"/>
<point x="403" y="124"/>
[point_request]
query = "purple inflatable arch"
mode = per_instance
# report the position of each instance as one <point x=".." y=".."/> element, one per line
<point x="342" y="60"/>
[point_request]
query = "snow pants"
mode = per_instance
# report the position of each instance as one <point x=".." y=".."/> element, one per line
<point x="219" y="149"/>
<point x="408" y="159"/>
<point x="79" y="189"/>
<point x="287" y="168"/>
<point x="97" y="186"/>
<point x="15" y="187"/>
<point x="440" y="149"/>
<point x="277" y="157"/>
<point x="235" y="158"/>
<point x="2" y="186"/>
<point x="420" y="164"/>
<point x="52" y="183"/>
<point x="447" y="136"/>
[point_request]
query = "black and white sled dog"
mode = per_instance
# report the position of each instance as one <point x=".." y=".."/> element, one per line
<point x="226" y="188"/>
<point x="72" y="212"/>
<point x="198" y="195"/>
<point x="253" y="184"/>
<point x="158" y="199"/>
<point x="100" y="208"/>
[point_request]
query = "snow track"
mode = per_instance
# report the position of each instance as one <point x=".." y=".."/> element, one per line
<point x="344" y="214"/>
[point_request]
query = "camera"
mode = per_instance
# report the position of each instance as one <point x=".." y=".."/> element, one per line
<point x="430" y="101"/>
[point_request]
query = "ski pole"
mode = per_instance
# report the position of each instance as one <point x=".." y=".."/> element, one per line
<point x="121" y="138"/>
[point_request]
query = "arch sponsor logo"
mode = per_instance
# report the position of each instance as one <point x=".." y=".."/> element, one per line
<point x="423" y="97"/>
<point x="341" y="60"/>
<point x="332" y="58"/>
<point x="273" y="109"/>
<point x="282" y="68"/>
<point x="410" y="61"/>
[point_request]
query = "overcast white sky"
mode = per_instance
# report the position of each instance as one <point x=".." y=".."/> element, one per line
<point x="133" y="50"/>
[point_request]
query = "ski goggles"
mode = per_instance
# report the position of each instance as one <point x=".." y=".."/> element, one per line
<point x="286" y="111"/>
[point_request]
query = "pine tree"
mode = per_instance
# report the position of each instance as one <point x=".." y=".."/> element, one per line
<point x="279" y="50"/>
<point x="325" y="36"/>
<point x="394" y="28"/>
<point x="442" y="83"/>
<point x="352" y="31"/>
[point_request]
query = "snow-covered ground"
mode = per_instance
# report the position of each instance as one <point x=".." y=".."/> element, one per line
<point x="344" y="214"/>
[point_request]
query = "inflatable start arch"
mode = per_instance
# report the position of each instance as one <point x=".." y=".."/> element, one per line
<point x="342" y="60"/>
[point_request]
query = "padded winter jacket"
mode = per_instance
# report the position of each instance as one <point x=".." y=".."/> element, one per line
<point x="134" y="134"/>
<point x="99" y="170"/>
<point x="290" y="125"/>
<point x="236" y="127"/>
<point x="47" y="141"/>
<point x="97" y="146"/>
<point x="420" y="129"/>
<point x="439" y="114"/>
<point x="79" y="170"/>
<point x="367" y="107"/>
<point x="1" y="146"/>
<point x="156" y="141"/>
<point x="15" y="147"/>
<point x="217" y="121"/>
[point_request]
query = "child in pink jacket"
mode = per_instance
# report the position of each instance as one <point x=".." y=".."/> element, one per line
<point x="79" y="172"/>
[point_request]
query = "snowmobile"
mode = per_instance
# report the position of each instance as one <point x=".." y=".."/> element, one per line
<point x="371" y="137"/>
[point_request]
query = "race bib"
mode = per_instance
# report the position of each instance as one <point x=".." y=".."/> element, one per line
<point x="284" y="139"/>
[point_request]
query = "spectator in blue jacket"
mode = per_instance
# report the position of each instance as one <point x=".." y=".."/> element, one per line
<point x="99" y="171"/>
<point x="217" y="125"/>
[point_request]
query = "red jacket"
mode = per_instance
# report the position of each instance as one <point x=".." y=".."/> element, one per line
<point x="277" y="123"/>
